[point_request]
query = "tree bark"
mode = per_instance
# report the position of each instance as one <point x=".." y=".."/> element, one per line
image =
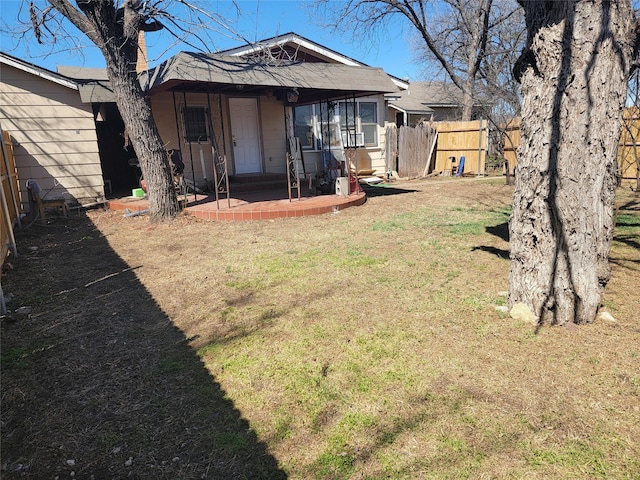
<point x="574" y="78"/>
<point x="146" y="141"/>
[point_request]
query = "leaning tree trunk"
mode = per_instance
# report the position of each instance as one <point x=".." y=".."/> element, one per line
<point x="574" y="80"/>
<point x="145" y="138"/>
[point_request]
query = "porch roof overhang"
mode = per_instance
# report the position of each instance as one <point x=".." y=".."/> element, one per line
<point x="314" y="82"/>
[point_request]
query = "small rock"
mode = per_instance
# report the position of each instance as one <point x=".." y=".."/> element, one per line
<point x="71" y="463"/>
<point x="520" y="311"/>
<point x="605" y="316"/>
<point x="503" y="293"/>
<point x="502" y="308"/>
<point x="175" y="459"/>
<point x="129" y="462"/>
<point x="23" y="310"/>
<point x="116" y="450"/>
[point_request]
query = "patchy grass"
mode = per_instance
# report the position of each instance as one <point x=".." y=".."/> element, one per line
<point x="360" y="345"/>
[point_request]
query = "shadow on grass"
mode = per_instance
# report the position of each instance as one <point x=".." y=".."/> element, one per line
<point x="384" y="189"/>
<point x="500" y="231"/>
<point x="96" y="380"/>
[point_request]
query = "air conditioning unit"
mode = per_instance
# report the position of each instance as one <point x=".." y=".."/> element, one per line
<point x="353" y="140"/>
<point x="342" y="186"/>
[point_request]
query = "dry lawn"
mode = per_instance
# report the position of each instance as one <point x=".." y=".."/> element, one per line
<point x="362" y="345"/>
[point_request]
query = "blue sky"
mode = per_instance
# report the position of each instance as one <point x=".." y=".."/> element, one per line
<point x="258" y="20"/>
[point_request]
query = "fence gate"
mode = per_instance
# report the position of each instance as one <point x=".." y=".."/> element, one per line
<point x="415" y="149"/>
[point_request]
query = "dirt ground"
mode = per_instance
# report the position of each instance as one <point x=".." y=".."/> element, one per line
<point x="100" y="376"/>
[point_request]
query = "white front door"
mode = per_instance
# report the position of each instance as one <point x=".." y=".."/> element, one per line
<point x="245" y="135"/>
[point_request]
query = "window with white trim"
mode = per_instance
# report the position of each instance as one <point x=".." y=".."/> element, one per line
<point x="359" y="123"/>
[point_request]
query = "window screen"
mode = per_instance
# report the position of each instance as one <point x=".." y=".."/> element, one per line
<point x="195" y="124"/>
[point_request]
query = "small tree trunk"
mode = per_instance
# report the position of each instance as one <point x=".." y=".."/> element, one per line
<point x="144" y="136"/>
<point x="573" y="86"/>
<point x="467" y="100"/>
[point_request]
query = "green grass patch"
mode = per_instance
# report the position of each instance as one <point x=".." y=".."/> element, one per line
<point x="573" y="456"/>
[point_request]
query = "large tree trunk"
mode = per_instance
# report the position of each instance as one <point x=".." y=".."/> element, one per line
<point x="574" y="79"/>
<point x="145" y="138"/>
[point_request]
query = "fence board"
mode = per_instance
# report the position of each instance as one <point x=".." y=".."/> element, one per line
<point x="10" y="204"/>
<point x="391" y="147"/>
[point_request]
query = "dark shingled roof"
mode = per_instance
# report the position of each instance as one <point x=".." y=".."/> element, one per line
<point x="314" y="81"/>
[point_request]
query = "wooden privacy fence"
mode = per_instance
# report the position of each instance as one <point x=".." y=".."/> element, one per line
<point x="10" y="207"/>
<point x="415" y="148"/>
<point x="510" y="142"/>
<point x="462" y="139"/>
<point x="628" y="149"/>
<point x="438" y="147"/>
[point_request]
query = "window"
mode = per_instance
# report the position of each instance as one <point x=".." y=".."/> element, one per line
<point x="195" y="124"/>
<point x="304" y="126"/>
<point x="359" y="123"/>
<point x="369" y="122"/>
<point x="356" y="122"/>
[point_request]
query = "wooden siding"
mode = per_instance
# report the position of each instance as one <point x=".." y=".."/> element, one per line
<point x="271" y="118"/>
<point x="166" y="113"/>
<point x="274" y="135"/>
<point x="54" y="137"/>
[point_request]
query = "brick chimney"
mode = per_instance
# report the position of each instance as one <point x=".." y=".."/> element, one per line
<point x="141" y="63"/>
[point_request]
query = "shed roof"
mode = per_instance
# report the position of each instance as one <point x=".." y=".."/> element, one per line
<point x="314" y="81"/>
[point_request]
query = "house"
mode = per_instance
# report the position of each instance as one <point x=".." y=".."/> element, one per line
<point x="249" y="110"/>
<point x="436" y="101"/>
<point x="53" y="133"/>
<point x="244" y="107"/>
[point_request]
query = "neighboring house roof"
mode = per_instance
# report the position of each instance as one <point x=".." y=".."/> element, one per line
<point x="423" y="97"/>
<point x="297" y="47"/>
<point x="15" y="62"/>
<point x="314" y="81"/>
